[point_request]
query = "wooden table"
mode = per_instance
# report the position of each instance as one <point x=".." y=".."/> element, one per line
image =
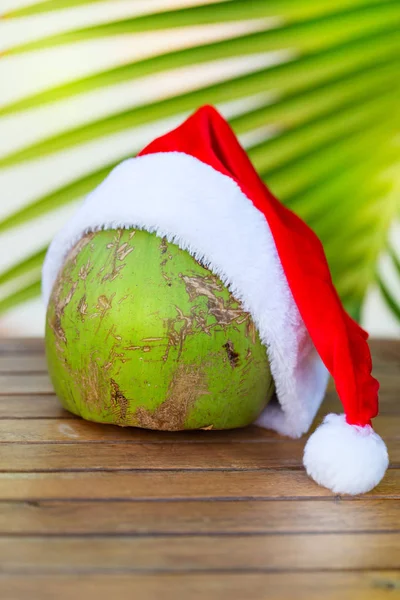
<point x="92" y="512"/>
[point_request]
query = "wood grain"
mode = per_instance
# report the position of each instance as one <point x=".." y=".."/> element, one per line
<point x="92" y="511"/>
<point x="77" y="431"/>
<point x="152" y="485"/>
<point x="370" y="585"/>
<point x="23" y="363"/>
<point x="277" y="453"/>
<point x="11" y="346"/>
<point x="198" y="517"/>
<point x="31" y="383"/>
<point x="32" y="406"/>
<point x="40" y="406"/>
<point x="262" y="553"/>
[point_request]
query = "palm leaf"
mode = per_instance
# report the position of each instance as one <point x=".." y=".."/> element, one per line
<point x="384" y="288"/>
<point x="304" y="36"/>
<point x="286" y="77"/>
<point x="224" y="11"/>
<point x="25" y="293"/>
<point x="303" y="106"/>
<point x="335" y="110"/>
<point x="389" y="298"/>
<point x="31" y="263"/>
<point x="395" y="260"/>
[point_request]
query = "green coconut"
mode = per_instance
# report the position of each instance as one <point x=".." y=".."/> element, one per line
<point x="140" y="333"/>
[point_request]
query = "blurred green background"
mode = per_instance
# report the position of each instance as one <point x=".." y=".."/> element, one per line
<point x="311" y="88"/>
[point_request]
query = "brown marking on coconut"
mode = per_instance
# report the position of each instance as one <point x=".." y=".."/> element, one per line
<point x="251" y="331"/>
<point x="124" y="250"/>
<point x="188" y="384"/>
<point x="62" y="279"/>
<point x="119" y="403"/>
<point x="112" y="332"/>
<point x="120" y="252"/>
<point x="82" y="307"/>
<point x="233" y="356"/>
<point x="84" y="241"/>
<point x="177" y="334"/>
<point x="163" y="245"/>
<point x="164" y="248"/>
<point x="104" y="305"/>
<point x="224" y="313"/>
<point x="59" y="308"/>
<point x="85" y="270"/>
<point x="90" y="379"/>
<point x="115" y="355"/>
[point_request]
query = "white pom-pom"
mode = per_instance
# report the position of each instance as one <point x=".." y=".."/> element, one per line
<point x="347" y="459"/>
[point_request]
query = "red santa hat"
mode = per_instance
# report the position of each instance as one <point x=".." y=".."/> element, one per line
<point x="196" y="186"/>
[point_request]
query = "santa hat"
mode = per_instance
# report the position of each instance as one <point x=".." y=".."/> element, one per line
<point x="196" y="186"/>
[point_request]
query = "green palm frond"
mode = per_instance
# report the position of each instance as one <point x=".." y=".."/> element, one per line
<point x="391" y="301"/>
<point x="214" y="12"/>
<point x="27" y="266"/>
<point x="319" y="33"/>
<point x="285" y="78"/>
<point x="304" y="35"/>
<point x="333" y="109"/>
<point x="385" y="290"/>
<point x="23" y="294"/>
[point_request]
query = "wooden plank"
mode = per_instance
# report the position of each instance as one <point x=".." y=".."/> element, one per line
<point x="15" y="383"/>
<point x="140" y="485"/>
<point x="166" y="485"/>
<point x="385" y="352"/>
<point x="261" y="553"/>
<point x="278" y="453"/>
<point x="388" y="403"/>
<point x="32" y="407"/>
<point x="77" y="431"/>
<point x="388" y="379"/>
<point x="387" y="426"/>
<point x="368" y="585"/>
<point x="123" y="456"/>
<point x="23" y="363"/>
<point x="9" y="345"/>
<point x="198" y="517"/>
